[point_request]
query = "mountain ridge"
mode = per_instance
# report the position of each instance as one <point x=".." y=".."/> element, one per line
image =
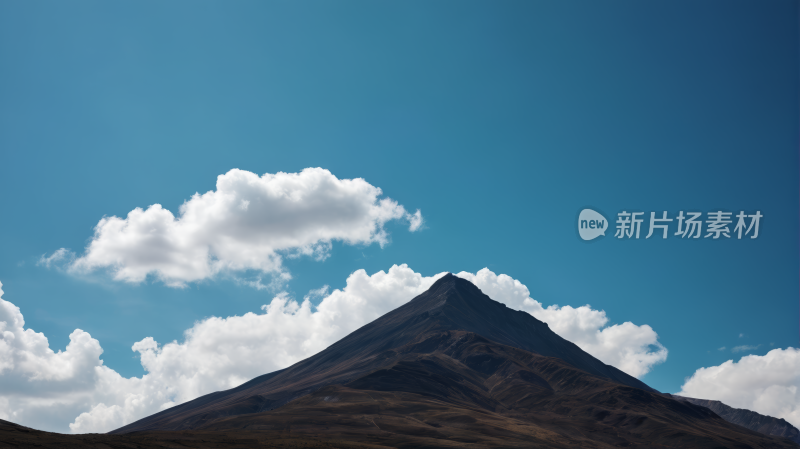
<point x="768" y="425"/>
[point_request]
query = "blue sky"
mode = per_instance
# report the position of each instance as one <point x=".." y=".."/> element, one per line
<point x="499" y="121"/>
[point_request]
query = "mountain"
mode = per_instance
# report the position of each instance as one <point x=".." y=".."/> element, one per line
<point x="451" y="304"/>
<point x="748" y="419"/>
<point x="453" y="368"/>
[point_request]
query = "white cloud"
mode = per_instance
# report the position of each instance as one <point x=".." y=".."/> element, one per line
<point x="73" y="387"/>
<point x="766" y="384"/>
<point x="40" y="386"/>
<point x="247" y="223"/>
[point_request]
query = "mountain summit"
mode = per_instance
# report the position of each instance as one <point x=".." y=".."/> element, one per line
<point x="458" y="304"/>
<point x="452" y="367"/>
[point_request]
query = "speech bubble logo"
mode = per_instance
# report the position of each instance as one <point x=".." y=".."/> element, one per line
<point x="591" y="224"/>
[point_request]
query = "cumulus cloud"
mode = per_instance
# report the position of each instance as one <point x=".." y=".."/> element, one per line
<point x="40" y="386"/>
<point x="768" y="384"/>
<point x="74" y="391"/>
<point x="249" y="222"/>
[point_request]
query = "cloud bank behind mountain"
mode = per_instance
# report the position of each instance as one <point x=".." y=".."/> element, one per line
<point x="72" y="390"/>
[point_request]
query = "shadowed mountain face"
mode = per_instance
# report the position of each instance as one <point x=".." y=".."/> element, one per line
<point x="748" y="419"/>
<point x="453" y="368"/>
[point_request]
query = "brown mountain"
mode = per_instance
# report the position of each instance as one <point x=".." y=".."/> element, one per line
<point x="452" y="368"/>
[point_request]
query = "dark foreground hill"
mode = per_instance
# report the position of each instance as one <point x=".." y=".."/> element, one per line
<point x="16" y="436"/>
<point x="451" y="368"/>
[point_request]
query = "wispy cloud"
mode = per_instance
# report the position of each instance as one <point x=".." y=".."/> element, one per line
<point x="321" y="292"/>
<point x="743" y="348"/>
<point x="59" y="256"/>
<point x="278" y="281"/>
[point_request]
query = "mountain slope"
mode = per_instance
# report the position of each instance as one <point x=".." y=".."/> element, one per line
<point x="458" y="389"/>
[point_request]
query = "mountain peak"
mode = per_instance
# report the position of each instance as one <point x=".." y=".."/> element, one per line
<point x="454" y="303"/>
<point x="453" y="290"/>
<point x="449" y="280"/>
